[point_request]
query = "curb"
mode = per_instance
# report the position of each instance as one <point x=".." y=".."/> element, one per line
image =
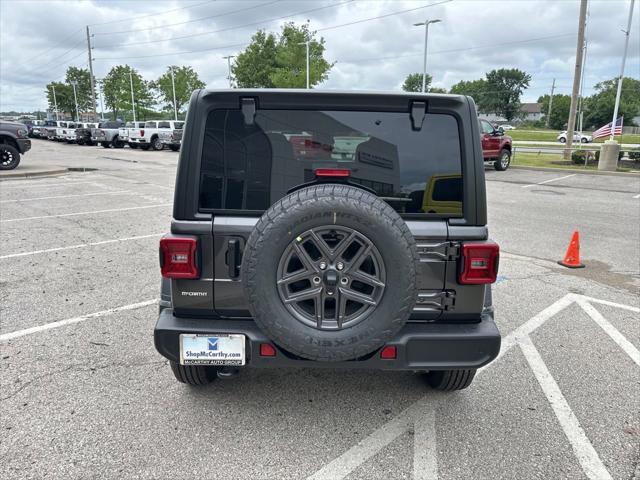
<point x="586" y="172"/>
<point x="42" y="173"/>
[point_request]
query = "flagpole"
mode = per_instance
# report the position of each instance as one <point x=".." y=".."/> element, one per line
<point x="624" y="58"/>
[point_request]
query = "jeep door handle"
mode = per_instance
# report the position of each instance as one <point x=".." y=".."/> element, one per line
<point x="233" y="257"/>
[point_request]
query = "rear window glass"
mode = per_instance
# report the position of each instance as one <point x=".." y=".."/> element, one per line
<point x="130" y="125"/>
<point x="249" y="167"/>
<point x="150" y="125"/>
<point x="179" y="125"/>
<point x="164" y="125"/>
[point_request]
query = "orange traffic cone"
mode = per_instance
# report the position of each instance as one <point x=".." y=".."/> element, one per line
<point x="572" y="257"/>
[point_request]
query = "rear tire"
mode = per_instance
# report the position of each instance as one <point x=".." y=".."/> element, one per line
<point x="503" y="161"/>
<point x="156" y="144"/>
<point x="144" y="147"/>
<point x="450" y="380"/>
<point x="196" y="375"/>
<point x="9" y="157"/>
<point x="105" y="144"/>
<point x="563" y="140"/>
<point x="133" y="145"/>
<point x="174" y="148"/>
<point x="117" y="143"/>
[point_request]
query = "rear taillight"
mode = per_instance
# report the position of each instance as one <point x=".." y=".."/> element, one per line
<point x="478" y="263"/>
<point x="178" y="257"/>
<point x="332" y="172"/>
<point x="142" y="133"/>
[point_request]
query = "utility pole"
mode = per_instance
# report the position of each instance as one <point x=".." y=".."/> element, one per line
<point x="571" y="123"/>
<point x="133" y="101"/>
<point x="426" y="24"/>
<point x="584" y="62"/>
<point x="55" y="102"/>
<point x="228" y="59"/>
<point x="75" y="99"/>
<point x="624" y="58"/>
<point x="93" y="86"/>
<point x="173" y="85"/>
<point x="553" y="87"/>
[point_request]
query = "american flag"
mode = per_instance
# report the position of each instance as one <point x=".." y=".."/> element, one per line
<point x="606" y="130"/>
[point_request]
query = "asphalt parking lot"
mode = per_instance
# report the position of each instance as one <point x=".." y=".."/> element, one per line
<point x="84" y="394"/>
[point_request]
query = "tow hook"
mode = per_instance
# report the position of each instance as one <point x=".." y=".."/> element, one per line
<point x="227" y="373"/>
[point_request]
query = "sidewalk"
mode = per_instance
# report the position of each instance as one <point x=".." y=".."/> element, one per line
<point x="32" y="169"/>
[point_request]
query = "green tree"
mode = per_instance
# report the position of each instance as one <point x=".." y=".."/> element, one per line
<point x="598" y="107"/>
<point x="64" y="93"/>
<point x="413" y="82"/>
<point x="504" y="88"/>
<point x="476" y="89"/>
<point x="279" y="60"/>
<point x="116" y="88"/>
<point x="186" y="81"/>
<point x="559" y="110"/>
<point x="63" y="97"/>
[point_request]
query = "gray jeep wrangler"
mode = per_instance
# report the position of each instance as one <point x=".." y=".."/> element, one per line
<point x="329" y="229"/>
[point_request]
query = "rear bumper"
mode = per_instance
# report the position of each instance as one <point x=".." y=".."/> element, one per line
<point x="24" y="144"/>
<point x="420" y="346"/>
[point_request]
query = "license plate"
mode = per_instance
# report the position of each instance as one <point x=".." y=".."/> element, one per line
<point x="214" y="349"/>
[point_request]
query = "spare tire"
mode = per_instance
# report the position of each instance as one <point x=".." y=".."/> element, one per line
<point x="329" y="272"/>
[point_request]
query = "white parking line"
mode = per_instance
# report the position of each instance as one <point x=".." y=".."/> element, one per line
<point x="606" y="302"/>
<point x="68" y="196"/>
<point x="610" y="330"/>
<point x="346" y="463"/>
<point x="81" y="245"/>
<point x="549" y="181"/>
<point x="582" y="447"/>
<point x="636" y="196"/>
<point x="69" y="321"/>
<point x="425" y="453"/>
<point x="85" y="213"/>
<point x="65" y="183"/>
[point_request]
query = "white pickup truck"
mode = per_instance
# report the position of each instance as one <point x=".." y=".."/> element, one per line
<point x="62" y="129"/>
<point x="125" y="132"/>
<point x="149" y="135"/>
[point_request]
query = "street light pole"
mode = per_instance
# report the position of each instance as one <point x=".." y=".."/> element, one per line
<point x="307" y="47"/>
<point x="426" y="24"/>
<point x="133" y="101"/>
<point x="55" y="102"/>
<point x="228" y="59"/>
<point x="75" y="98"/>
<point x="624" y="58"/>
<point x="101" y="102"/>
<point x="175" y="105"/>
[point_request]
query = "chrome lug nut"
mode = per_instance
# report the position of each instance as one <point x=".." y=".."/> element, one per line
<point x="329" y="292"/>
<point x="344" y="280"/>
<point x="340" y="266"/>
<point x="316" y="280"/>
<point x="322" y="265"/>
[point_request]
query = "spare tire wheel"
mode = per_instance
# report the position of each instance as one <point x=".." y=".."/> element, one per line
<point x="329" y="272"/>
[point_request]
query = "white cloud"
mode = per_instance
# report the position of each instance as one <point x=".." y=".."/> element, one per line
<point x="39" y="39"/>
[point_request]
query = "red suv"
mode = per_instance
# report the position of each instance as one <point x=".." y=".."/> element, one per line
<point x="496" y="146"/>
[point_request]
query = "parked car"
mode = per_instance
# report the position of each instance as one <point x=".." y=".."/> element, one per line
<point x="577" y="137"/>
<point x="507" y="127"/>
<point x="275" y="261"/>
<point x="14" y="141"/>
<point x="172" y="138"/>
<point x="496" y="146"/>
<point x="67" y="134"/>
<point x="107" y="134"/>
<point x="36" y="128"/>
<point x="149" y="135"/>
<point x="83" y="133"/>
<point x="126" y="129"/>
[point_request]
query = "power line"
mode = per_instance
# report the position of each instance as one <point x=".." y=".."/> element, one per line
<point x="383" y="16"/>
<point x="191" y="21"/>
<point x="362" y="60"/>
<point x="263" y="21"/>
<point x="137" y="17"/>
<point x="49" y="49"/>
<point x="237" y="45"/>
<point x="260" y="22"/>
<point x="58" y="58"/>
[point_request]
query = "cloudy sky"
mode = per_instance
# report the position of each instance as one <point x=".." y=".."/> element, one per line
<point x="40" y="39"/>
